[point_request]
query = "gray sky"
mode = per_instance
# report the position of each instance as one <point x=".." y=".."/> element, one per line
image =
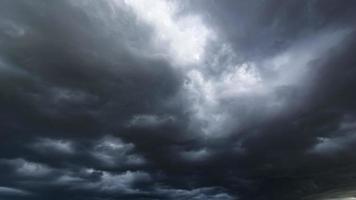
<point x="175" y="100"/>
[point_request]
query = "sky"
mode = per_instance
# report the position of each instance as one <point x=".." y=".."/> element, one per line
<point x="177" y="100"/>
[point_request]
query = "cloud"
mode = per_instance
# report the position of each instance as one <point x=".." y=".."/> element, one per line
<point x="128" y="99"/>
<point x="8" y="191"/>
<point x="27" y="168"/>
<point x="196" y="194"/>
<point x="116" y="183"/>
<point x="185" y="36"/>
<point x="149" y="120"/>
<point x="113" y="152"/>
<point x="47" y="145"/>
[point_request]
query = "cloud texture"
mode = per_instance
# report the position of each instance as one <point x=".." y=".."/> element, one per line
<point x="202" y="100"/>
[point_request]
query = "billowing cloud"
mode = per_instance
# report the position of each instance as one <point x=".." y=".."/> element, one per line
<point x="168" y="99"/>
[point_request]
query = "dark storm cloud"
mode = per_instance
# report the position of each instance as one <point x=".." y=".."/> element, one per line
<point x="66" y="76"/>
<point x="121" y="100"/>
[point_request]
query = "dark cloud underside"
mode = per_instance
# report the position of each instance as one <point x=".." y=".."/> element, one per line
<point x="202" y="100"/>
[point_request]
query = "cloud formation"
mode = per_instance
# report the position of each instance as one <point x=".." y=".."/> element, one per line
<point x="217" y="100"/>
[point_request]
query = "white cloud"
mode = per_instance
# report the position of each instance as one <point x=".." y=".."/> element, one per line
<point x="189" y="41"/>
<point x="184" y="36"/>
<point x="205" y="94"/>
<point x="242" y="78"/>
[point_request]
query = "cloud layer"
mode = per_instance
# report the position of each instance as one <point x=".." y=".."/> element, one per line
<point x="213" y="100"/>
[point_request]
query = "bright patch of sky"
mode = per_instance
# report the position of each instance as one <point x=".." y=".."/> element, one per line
<point x="185" y="38"/>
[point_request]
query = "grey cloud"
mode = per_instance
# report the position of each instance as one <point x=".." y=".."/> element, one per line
<point x="47" y="145"/>
<point x="26" y="168"/>
<point x="111" y="151"/>
<point x="196" y="194"/>
<point x="116" y="183"/>
<point x="177" y="100"/>
<point x="8" y="191"/>
<point x="149" y="120"/>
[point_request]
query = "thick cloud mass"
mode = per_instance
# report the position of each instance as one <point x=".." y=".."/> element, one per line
<point x="202" y="100"/>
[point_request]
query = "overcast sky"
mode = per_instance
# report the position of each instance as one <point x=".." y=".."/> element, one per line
<point x="177" y="100"/>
